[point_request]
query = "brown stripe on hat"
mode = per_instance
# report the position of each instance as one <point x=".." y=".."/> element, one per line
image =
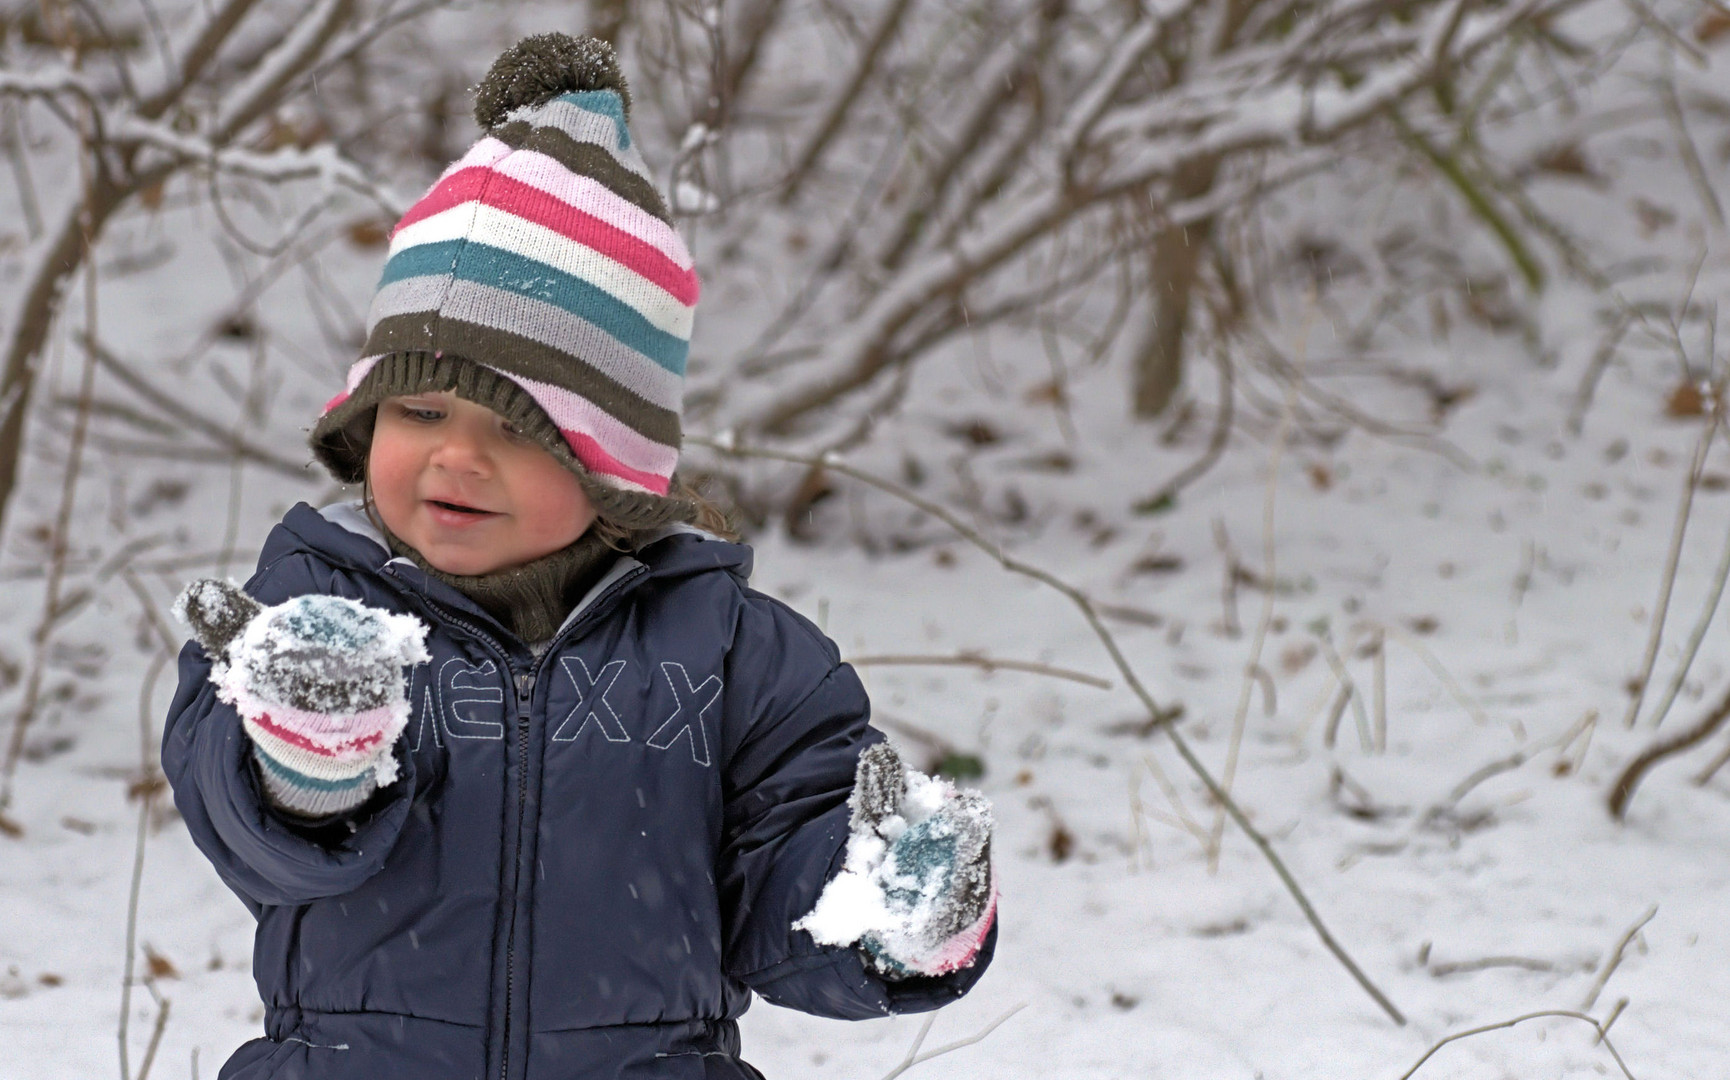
<point x="585" y="159"/>
<point x="515" y="354"/>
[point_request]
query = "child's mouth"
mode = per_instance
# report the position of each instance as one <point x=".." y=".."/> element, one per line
<point x="459" y="508"/>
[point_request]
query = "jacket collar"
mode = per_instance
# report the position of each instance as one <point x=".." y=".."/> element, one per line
<point x="342" y="534"/>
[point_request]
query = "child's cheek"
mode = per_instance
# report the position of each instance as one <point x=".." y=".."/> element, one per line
<point x="391" y="472"/>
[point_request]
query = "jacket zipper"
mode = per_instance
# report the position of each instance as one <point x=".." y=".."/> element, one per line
<point x="525" y="696"/>
<point x="525" y="682"/>
<point x="525" y="685"/>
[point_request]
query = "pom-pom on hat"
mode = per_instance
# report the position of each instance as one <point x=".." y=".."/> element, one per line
<point x="540" y="276"/>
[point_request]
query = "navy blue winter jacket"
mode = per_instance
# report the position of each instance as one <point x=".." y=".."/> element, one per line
<point x="589" y="859"/>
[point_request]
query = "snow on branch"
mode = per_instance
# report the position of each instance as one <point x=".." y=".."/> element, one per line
<point x="1171" y="121"/>
<point x="324" y="161"/>
<point x="313" y="30"/>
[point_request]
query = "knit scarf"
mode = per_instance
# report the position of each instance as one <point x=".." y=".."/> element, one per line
<point x="533" y="599"/>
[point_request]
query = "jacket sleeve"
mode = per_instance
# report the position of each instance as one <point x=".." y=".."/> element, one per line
<point x="265" y="856"/>
<point x="805" y="718"/>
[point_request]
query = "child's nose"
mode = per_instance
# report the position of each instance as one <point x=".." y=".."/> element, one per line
<point x="464" y="450"/>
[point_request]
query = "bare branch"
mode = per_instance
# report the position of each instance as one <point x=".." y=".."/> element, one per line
<point x="984" y="663"/>
<point x="324" y="162"/>
<point x="198" y="53"/>
<point x="1090" y="613"/>
<point x="312" y="30"/>
<point x="888" y="23"/>
<point x="1622" y="792"/>
<point x="225" y="438"/>
<point x="1603" y="1037"/>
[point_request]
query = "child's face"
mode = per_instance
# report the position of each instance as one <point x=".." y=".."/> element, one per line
<point x="458" y="484"/>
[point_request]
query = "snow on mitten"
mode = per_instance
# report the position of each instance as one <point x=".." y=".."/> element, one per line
<point x="318" y="683"/>
<point x="916" y="893"/>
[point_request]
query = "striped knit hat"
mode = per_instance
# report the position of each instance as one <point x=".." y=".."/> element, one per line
<point x="541" y="277"/>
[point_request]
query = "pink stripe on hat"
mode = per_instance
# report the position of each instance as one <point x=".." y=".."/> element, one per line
<point x="455" y="189"/>
<point x="596" y="459"/>
<point x="356" y="372"/>
<point x="525" y="201"/>
<point x="579" y="223"/>
<point x="571" y="412"/>
<point x="486" y="152"/>
<point x="540" y="171"/>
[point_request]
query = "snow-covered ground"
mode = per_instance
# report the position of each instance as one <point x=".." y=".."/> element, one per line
<point x="1529" y="582"/>
<point x="1512" y="580"/>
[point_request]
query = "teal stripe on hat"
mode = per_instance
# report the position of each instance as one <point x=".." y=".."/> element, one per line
<point x="487" y="265"/>
<point x="607" y="104"/>
<point x="293" y="778"/>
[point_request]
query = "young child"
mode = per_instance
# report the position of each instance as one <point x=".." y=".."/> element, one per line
<point x="518" y="776"/>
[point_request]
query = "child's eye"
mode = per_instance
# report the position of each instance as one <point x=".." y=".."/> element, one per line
<point x="420" y="413"/>
<point x="514" y="433"/>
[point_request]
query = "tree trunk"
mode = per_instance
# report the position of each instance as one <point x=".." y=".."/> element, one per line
<point x="1174" y="263"/>
<point x="36" y="314"/>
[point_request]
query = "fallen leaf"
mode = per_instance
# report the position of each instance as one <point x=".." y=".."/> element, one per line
<point x="160" y="966"/>
<point x="1684" y="401"/>
<point x="1156" y="564"/>
<point x="1046" y="393"/>
<point x="148" y="786"/>
<point x="1061" y="843"/>
<point x="975" y="433"/>
<point x="1652" y="216"/>
<point x="1297" y="657"/>
<point x="1712" y="26"/>
<point x="1565" y="160"/>
<point x="368" y="233"/>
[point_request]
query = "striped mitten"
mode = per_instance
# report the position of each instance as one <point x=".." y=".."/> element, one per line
<point x="917" y="895"/>
<point x="318" y="682"/>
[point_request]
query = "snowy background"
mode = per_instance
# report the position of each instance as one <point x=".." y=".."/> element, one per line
<point x="1450" y="486"/>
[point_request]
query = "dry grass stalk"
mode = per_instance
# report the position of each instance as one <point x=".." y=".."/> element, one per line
<point x="1702" y="624"/>
<point x="914" y="1057"/>
<point x="149" y="786"/>
<point x="1269" y="557"/>
<point x="1667" y="581"/>
<point x="1615" y="961"/>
